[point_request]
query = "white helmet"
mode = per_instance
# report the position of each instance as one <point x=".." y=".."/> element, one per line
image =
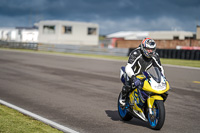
<point x="148" y="47"/>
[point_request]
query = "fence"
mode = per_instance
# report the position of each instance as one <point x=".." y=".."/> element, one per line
<point x="84" y="49"/>
<point x="19" y="45"/>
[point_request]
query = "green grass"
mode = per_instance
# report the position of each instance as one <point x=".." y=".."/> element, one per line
<point x="11" y="121"/>
<point x="190" y="63"/>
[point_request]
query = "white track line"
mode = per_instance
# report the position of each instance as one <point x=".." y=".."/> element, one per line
<point x="37" y="117"/>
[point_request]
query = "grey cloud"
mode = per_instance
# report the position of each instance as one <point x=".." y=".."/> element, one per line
<point x="181" y="14"/>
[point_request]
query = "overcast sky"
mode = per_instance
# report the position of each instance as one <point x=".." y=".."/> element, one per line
<point x="111" y="15"/>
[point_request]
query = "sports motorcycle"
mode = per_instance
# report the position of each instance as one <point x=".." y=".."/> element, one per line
<point x="145" y="102"/>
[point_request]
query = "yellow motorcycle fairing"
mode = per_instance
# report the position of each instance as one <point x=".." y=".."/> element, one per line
<point x="148" y="88"/>
<point x="140" y="76"/>
<point x="134" y="99"/>
<point x="150" y="100"/>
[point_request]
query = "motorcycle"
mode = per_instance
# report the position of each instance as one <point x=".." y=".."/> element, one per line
<point x="147" y="100"/>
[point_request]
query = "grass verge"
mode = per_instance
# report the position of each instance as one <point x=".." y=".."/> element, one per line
<point x="11" y="121"/>
<point x="179" y="62"/>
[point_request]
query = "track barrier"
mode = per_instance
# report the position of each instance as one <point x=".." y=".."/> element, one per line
<point x="177" y="54"/>
<point x="163" y="53"/>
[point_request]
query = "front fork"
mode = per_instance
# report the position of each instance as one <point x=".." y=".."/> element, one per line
<point x="150" y="102"/>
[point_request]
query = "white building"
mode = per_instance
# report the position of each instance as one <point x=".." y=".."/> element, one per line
<point x="4" y="33"/>
<point x="68" y="32"/>
<point x="170" y="35"/>
<point x="12" y="35"/>
<point x="198" y="32"/>
<point x="129" y="35"/>
<point x="28" y="35"/>
<point x="157" y="35"/>
<point x="19" y="34"/>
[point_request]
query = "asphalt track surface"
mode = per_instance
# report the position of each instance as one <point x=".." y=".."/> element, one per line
<point x="81" y="93"/>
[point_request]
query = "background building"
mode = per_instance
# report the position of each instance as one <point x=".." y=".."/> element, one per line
<point x="4" y="33"/>
<point x="19" y="34"/>
<point x="198" y="32"/>
<point x="68" y="32"/>
<point x="120" y="39"/>
<point x="164" y="39"/>
<point x="171" y="35"/>
<point x="157" y="35"/>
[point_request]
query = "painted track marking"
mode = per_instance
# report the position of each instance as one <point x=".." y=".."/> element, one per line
<point x="198" y="82"/>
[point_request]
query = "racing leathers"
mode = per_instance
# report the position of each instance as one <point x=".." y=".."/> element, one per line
<point x="138" y="63"/>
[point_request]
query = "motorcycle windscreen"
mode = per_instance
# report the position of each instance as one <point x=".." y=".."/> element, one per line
<point x="155" y="73"/>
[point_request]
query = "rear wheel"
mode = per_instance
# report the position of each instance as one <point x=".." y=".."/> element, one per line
<point x="122" y="110"/>
<point x="157" y="118"/>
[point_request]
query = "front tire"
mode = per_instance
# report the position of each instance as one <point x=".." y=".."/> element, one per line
<point x="123" y="112"/>
<point x="157" y="120"/>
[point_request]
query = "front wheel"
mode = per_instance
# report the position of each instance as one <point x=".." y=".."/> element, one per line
<point x="122" y="110"/>
<point x="157" y="118"/>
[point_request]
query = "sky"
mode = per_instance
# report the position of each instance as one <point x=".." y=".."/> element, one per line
<point x="111" y="15"/>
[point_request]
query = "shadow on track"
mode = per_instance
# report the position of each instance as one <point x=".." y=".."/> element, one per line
<point x="113" y="115"/>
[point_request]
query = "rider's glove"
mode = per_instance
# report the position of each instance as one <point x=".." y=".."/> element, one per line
<point x="135" y="82"/>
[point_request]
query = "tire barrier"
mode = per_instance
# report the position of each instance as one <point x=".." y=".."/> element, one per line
<point x="177" y="54"/>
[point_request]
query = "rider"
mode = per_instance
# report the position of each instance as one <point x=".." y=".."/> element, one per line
<point x="140" y="60"/>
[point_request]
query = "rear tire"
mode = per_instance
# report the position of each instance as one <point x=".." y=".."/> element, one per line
<point x="123" y="112"/>
<point x="160" y="116"/>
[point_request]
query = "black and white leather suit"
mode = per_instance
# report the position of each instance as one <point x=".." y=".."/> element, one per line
<point x="138" y="63"/>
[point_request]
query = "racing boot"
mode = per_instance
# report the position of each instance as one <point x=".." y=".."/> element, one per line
<point x="125" y="91"/>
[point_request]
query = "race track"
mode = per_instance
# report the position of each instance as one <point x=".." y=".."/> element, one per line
<point x="81" y="93"/>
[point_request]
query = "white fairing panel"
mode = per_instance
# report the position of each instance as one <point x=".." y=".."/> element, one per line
<point x="158" y="86"/>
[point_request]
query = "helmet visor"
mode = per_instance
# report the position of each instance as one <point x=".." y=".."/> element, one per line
<point x="150" y="50"/>
<point x="151" y="45"/>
